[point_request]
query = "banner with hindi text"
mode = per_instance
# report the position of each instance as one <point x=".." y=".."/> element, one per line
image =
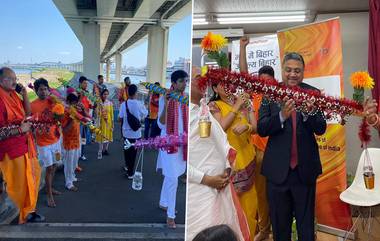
<point x="260" y="51"/>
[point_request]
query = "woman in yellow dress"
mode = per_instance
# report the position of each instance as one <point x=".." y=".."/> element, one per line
<point x="239" y="123"/>
<point x="104" y="113"/>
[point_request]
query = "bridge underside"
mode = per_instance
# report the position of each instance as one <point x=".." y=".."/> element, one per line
<point x="106" y="28"/>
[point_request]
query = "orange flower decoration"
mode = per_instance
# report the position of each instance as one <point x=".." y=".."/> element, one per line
<point x="58" y="109"/>
<point x="362" y="79"/>
<point x="213" y="42"/>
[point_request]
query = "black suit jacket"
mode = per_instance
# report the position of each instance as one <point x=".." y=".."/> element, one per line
<point x="276" y="160"/>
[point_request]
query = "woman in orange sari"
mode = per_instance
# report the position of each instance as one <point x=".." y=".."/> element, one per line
<point x="239" y="123"/>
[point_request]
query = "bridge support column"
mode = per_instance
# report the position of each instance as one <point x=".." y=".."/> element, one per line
<point x="91" y="50"/>
<point x="158" y="53"/>
<point x="108" y="70"/>
<point x="118" y="62"/>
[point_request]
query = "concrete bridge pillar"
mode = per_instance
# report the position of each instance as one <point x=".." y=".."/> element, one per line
<point x="158" y="54"/>
<point x="118" y="63"/>
<point x="108" y="70"/>
<point x="91" y="50"/>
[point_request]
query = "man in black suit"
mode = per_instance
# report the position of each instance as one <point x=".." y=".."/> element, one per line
<point x="291" y="161"/>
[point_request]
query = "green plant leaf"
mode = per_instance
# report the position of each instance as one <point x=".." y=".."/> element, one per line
<point x="223" y="60"/>
<point x="358" y="95"/>
<point x="213" y="55"/>
<point x="220" y="58"/>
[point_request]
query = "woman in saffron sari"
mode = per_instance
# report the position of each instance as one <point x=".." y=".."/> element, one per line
<point x="239" y="123"/>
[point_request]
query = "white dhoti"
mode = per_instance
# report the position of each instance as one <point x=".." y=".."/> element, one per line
<point x="70" y="157"/>
<point x="47" y="154"/>
<point x="169" y="194"/>
<point x="172" y="165"/>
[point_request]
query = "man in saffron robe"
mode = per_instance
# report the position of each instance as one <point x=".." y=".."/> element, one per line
<point x="123" y="91"/>
<point x="48" y="144"/>
<point x="18" y="157"/>
<point x="151" y="127"/>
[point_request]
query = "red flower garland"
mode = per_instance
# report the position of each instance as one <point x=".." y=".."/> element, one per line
<point x="38" y="124"/>
<point x="364" y="133"/>
<point x="276" y="92"/>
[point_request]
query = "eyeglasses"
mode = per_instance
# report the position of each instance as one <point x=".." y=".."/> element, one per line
<point x="10" y="79"/>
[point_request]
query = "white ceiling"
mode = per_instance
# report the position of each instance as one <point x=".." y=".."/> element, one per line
<point x="315" y="6"/>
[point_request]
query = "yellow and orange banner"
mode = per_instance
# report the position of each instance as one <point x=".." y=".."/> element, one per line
<point x="321" y="46"/>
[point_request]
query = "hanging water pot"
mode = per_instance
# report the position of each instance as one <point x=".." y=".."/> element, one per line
<point x="368" y="174"/>
<point x="137" y="182"/>
<point x="369" y="180"/>
<point x="204" y="128"/>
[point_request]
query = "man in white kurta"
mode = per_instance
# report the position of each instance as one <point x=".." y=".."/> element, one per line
<point x="173" y="165"/>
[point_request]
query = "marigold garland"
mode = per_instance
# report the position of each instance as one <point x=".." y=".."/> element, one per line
<point x="53" y="99"/>
<point x="74" y="114"/>
<point x="276" y="92"/>
<point x="39" y="124"/>
<point x="183" y="99"/>
<point x="364" y="133"/>
<point x="84" y="120"/>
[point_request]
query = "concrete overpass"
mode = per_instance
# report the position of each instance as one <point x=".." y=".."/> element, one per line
<point x="106" y="28"/>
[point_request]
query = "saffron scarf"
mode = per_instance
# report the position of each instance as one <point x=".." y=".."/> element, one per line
<point x="16" y="114"/>
<point x="172" y="117"/>
<point x="27" y="167"/>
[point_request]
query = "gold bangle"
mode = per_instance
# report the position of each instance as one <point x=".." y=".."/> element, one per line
<point x="375" y="123"/>
<point x="234" y="111"/>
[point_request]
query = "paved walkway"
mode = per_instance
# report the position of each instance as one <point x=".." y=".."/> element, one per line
<point x="105" y="194"/>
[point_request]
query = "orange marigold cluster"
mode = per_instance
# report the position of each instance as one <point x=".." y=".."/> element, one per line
<point x="58" y="109"/>
<point x="362" y="79"/>
<point x="213" y="42"/>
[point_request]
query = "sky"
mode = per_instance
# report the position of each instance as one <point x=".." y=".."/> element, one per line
<point x="35" y="31"/>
